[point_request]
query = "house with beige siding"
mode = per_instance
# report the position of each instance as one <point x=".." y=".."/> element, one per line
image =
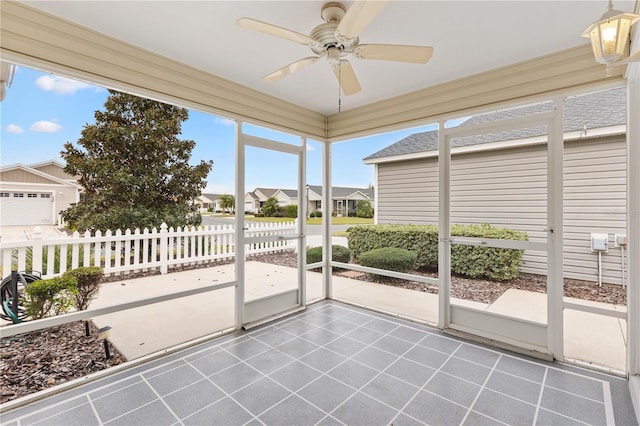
<point x="35" y="194"/>
<point x="501" y="179"/>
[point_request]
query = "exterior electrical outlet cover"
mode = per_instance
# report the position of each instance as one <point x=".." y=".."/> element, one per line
<point x="620" y="240"/>
<point x="600" y="242"/>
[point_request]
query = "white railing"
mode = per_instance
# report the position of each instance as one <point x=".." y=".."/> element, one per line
<point x="138" y="251"/>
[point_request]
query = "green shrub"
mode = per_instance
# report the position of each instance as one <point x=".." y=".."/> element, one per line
<point x="494" y="263"/>
<point x="474" y="261"/>
<point x="317" y="213"/>
<point x="290" y="210"/>
<point x="364" y="209"/>
<point x="389" y="259"/>
<point x="270" y="207"/>
<point x="50" y="297"/>
<point x="88" y="284"/>
<point x="420" y="239"/>
<point x="338" y="254"/>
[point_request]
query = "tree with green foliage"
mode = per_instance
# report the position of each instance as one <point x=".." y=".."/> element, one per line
<point x="364" y="209"/>
<point x="270" y="207"/>
<point x="133" y="167"/>
<point x="227" y="203"/>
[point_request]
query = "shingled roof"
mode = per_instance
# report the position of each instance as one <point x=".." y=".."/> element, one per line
<point x="593" y="111"/>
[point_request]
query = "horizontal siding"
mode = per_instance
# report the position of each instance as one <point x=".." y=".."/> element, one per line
<point x="508" y="188"/>
<point x="19" y="175"/>
<point x="595" y="201"/>
<point x="408" y="192"/>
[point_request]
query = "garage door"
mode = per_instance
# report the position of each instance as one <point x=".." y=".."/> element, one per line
<point x="25" y="208"/>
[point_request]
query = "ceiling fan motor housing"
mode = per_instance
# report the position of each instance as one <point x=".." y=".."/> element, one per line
<point x="324" y="36"/>
<point x="333" y="12"/>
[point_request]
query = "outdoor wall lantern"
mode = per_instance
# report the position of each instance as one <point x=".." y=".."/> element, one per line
<point x="610" y="38"/>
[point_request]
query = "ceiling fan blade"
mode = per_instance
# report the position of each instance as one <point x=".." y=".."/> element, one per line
<point x="359" y="15"/>
<point x="274" y="30"/>
<point x="290" y="69"/>
<point x="395" y="52"/>
<point x="347" y="78"/>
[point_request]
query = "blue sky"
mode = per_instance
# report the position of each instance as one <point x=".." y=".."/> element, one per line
<point x="42" y="112"/>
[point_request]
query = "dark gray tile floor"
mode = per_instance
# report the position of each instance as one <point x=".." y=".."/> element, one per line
<point x="337" y="364"/>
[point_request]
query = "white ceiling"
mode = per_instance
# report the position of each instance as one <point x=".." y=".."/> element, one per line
<point x="468" y="37"/>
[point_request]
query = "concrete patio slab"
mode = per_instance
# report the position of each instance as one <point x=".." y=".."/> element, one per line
<point x="141" y="331"/>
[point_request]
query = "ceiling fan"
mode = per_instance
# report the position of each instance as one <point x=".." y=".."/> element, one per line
<point x="337" y="38"/>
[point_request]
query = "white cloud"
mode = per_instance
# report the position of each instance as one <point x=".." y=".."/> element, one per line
<point x="310" y="147"/>
<point x="60" y="85"/>
<point x="224" y="121"/>
<point x="14" y="129"/>
<point x="45" y="126"/>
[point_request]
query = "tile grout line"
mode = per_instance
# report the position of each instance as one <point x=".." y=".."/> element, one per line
<point x="608" y="404"/>
<point x="320" y="310"/>
<point x="482" y="387"/>
<point x="95" y="411"/>
<point x="380" y="372"/>
<point x="162" y="400"/>
<point x="422" y="388"/>
<point x="322" y="373"/>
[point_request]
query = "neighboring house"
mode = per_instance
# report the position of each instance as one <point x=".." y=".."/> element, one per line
<point x="208" y="201"/>
<point x="254" y="200"/>
<point x="286" y="197"/>
<point x="251" y="202"/>
<point x="36" y="194"/>
<point x="344" y="199"/>
<point x="502" y="179"/>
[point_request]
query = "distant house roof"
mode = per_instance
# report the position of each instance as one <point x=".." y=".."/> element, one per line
<point x="336" y="192"/>
<point x="267" y="192"/>
<point x="212" y="197"/>
<point x="343" y="191"/>
<point x="593" y="111"/>
<point x="291" y="193"/>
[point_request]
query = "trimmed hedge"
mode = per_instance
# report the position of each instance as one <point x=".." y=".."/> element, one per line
<point x="473" y="261"/>
<point x="389" y="259"/>
<point x="338" y="254"/>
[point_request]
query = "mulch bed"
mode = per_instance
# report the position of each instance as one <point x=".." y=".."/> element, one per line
<point x="42" y="359"/>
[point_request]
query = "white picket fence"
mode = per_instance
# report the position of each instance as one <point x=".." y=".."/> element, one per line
<point x="137" y="251"/>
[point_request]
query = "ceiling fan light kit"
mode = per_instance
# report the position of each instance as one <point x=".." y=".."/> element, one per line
<point x="337" y="39"/>
<point x="610" y="38"/>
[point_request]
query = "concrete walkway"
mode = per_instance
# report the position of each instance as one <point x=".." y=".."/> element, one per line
<point x="141" y="331"/>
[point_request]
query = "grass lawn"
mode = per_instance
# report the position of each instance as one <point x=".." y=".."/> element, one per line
<point x="316" y="220"/>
